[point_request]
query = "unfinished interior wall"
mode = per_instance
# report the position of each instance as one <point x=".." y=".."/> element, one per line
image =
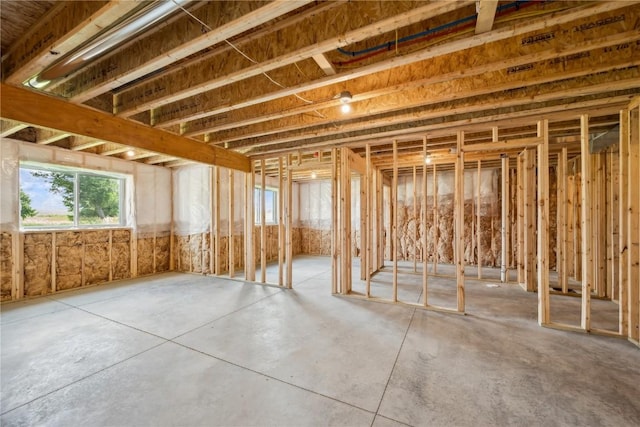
<point x="6" y="265"/>
<point x="313" y="224"/>
<point x="9" y="211"/>
<point x="192" y="218"/>
<point x="440" y="231"/>
<point x="153" y="226"/>
<point x="39" y="262"/>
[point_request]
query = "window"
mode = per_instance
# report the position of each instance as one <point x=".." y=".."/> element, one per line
<point x="270" y="202"/>
<point x="60" y="197"/>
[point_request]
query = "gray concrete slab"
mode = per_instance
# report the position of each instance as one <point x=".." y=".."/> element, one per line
<point x="334" y="346"/>
<point x="381" y="421"/>
<point x="17" y="311"/>
<point x="470" y="371"/>
<point x="171" y="385"/>
<point x="244" y="354"/>
<point x="42" y="354"/>
<point x="92" y="294"/>
<point x="171" y="307"/>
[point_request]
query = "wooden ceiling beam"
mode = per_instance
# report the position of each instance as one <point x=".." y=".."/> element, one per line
<point x="486" y="14"/>
<point x="598" y="86"/>
<point x="9" y="127"/>
<point x="68" y="25"/>
<point x="48" y="136"/>
<point x="209" y="103"/>
<point x="350" y="22"/>
<point x="466" y="121"/>
<point x="44" y="111"/>
<point x="442" y="70"/>
<point x="172" y="42"/>
<point x="507" y="61"/>
<point x="112" y="149"/>
<point x="494" y="88"/>
<point x="80" y="143"/>
<point x="159" y="159"/>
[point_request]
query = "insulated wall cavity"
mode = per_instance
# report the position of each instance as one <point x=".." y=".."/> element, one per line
<point x="38" y="262"/>
<point x="313" y="226"/>
<point x="9" y="162"/>
<point x="153" y="218"/>
<point x="192" y="218"/>
<point x="482" y="220"/>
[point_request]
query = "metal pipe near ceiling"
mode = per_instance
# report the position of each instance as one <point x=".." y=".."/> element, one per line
<point x="141" y="20"/>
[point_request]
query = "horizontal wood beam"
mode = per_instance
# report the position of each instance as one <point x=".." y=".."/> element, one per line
<point x="9" y="127"/>
<point x="393" y="89"/>
<point x="164" y="47"/>
<point x="235" y="95"/>
<point x="47" y="136"/>
<point x="350" y="22"/>
<point x="45" y="111"/>
<point x="439" y="126"/>
<point x="79" y="143"/>
<point x="553" y="81"/>
<point x="503" y="145"/>
<point x="441" y="112"/>
<point x="68" y="25"/>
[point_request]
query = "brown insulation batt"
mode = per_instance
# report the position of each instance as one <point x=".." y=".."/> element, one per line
<point x="96" y="257"/>
<point x="69" y="256"/>
<point x="145" y="249"/>
<point x="163" y="252"/>
<point x="121" y="254"/>
<point x="37" y="264"/>
<point x="6" y="265"/>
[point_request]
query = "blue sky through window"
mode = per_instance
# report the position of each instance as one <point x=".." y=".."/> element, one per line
<point x="42" y="199"/>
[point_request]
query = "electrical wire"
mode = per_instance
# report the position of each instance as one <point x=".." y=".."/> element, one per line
<point x="253" y="61"/>
<point x="451" y="27"/>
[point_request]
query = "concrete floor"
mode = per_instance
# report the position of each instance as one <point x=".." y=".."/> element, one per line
<point x="177" y="349"/>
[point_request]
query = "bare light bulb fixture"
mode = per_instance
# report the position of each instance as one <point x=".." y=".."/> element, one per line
<point x="345" y="98"/>
<point x="130" y="153"/>
<point x="314" y="175"/>
<point x="427" y="159"/>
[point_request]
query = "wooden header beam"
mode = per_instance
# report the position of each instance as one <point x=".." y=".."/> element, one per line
<point x="30" y="107"/>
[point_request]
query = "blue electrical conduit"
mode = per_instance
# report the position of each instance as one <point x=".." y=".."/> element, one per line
<point x="389" y="45"/>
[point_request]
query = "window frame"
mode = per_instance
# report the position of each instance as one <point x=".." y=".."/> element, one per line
<point x="257" y="205"/>
<point x="77" y="172"/>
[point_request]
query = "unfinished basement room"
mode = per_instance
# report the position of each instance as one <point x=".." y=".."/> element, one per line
<point x="307" y="213"/>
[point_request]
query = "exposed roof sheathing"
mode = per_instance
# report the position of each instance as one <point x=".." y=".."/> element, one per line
<point x="263" y="78"/>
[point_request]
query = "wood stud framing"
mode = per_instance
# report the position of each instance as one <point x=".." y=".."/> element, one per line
<point x="459" y="222"/>
<point x="598" y="194"/>
<point x="633" y="224"/>
<point x="394" y="221"/>
<point x="586" y="219"/>
<point x="605" y="191"/>
<point x="543" y="223"/>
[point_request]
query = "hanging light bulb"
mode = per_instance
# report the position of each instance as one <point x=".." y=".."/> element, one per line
<point x="314" y="175"/>
<point x="345" y="98"/>
<point x="427" y="159"/>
